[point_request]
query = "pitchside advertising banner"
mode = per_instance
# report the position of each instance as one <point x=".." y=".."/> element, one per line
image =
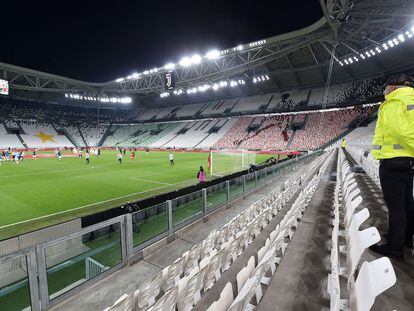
<point x="4" y="87"/>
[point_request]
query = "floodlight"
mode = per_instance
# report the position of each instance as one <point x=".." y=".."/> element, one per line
<point x="240" y="47"/>
<point x="129" y="77"/>
<point x="213" y="54"/>
<point x="196" y="59"/>
<point x="135" y="75"/>
<point x="401" y="38"/>
<point x="119" y="80"/>
<point x="412" y="29"/>
<point x="185" y="61"/>
<point x="169" y="66"/>
<point x="254" y="80"/>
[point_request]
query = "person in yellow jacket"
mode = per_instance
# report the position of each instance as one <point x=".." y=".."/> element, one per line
<point x="343" y="144"/>
<point x="393" y="145"/>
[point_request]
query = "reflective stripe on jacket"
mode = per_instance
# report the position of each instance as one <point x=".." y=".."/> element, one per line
<point x="394" y="132"/>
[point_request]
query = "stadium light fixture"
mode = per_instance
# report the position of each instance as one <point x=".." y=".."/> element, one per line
<point x="135" y="75"/>
<point x="170" y="66"/>
<point x="213" y="54"/>
<point x="195" y="59"/>
<point x="119" y="80"/>
<point x="401" y="37"/>
<point x="185" y="61"/>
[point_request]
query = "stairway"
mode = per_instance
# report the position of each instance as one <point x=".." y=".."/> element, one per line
<point x="81" y="135"/>
<point x="291" y="138"/>
<point x="21" y="140"/>
<point x="104" y="136"/>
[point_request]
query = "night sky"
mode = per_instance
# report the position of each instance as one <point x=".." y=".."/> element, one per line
<point x="99" y="41"/>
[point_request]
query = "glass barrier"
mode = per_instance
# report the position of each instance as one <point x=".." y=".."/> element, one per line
<point x="236" y="187"/>
<point x="216" y="196"/>
<point x="250" y="181"/>
<point x="149" y="223"/>
<point x="14" y="285"/>
<point x="77" y="260"/>
<point x="261" y="177"/>
<point x="186" y="207"/>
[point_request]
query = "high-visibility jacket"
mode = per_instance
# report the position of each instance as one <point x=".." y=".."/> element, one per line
<point x="343" y="145"/>
<point x="394" y="132"/>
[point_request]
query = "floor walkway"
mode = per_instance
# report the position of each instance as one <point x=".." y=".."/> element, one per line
<point x="300" y="280"/>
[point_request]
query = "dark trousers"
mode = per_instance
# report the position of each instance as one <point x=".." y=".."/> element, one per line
<point x="396" y="177"/>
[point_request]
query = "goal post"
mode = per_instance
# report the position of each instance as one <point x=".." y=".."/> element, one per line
<point x="223" y="162"/>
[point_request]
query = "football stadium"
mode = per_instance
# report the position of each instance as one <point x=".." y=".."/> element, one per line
<point x="273" y="173"/>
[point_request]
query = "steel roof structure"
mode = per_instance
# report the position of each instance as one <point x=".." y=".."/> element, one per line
<point x="299" y="59"/>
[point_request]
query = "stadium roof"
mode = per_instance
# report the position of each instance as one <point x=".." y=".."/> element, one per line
<point x="362" y="38"/>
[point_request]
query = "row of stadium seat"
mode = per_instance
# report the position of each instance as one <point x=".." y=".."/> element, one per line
<point x="264" y="133"/>
<point x="373" y="277"/>
<point x="252" y="279"/>
<point x="199" y="268"/>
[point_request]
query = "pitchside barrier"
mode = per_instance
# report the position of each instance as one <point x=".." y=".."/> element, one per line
<point x="67" y="258"/>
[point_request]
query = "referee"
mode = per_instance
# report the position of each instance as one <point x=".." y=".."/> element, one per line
<point x="393" y="145"/>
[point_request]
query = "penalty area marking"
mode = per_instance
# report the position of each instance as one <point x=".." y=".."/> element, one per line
<point x="92" y="204"/>
<point x="151" y="181"/>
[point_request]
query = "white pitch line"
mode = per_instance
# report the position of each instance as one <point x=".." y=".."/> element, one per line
<point x="152" y="181"/>
<point x="88" y="205"/>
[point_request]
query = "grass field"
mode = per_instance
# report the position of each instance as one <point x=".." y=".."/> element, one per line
<point x="41" y="192"/>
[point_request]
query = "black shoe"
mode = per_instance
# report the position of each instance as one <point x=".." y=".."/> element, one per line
<point x="407" y="244"/>
<point x="383" y="249"/>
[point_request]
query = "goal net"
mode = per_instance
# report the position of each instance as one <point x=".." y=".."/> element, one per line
<point x="224" y="162"/>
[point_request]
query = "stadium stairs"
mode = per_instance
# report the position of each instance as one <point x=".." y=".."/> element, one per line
<point x="291" y="139"/>
<point x="21" y="140"/>
<point x="62" y="131"/>
<point x="82" y="137"/>
<point x="103" y="138"/>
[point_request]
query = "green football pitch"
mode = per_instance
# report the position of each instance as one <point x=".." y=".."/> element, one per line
<point x="46" y="191"/>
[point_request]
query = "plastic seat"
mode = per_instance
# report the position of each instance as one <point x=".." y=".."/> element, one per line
<point x="359" y="242"/>
<point x="245" y="295"/>
<point x="245" y="273"/>
<point x="225" y="300"/>
<point x="350" y="210"/>
<point x="171" y="274"/>
<point x="189" y="289"/>
<point x="146" y="294"/>
<point x="374" y="278"/>
<point x="167" y="302"/>
<point x="213" y="267"/>
<point x="124" y="303"/>
<point x="191" y="258"/>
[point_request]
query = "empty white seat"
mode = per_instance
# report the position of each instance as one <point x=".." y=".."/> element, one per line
<point x="242" y="301"/>
<point x="357" y="220"/>
<point x="145" y="295"/>
<point x="167" y="302"/>
<point x="350" y="210"/>
<point x="191" y="258"/>
<point x="359" y="241"/>
<point x="230" y="253"/>
<point x="189" y="289"/>
<point x="213" y="266"/>
<point x="225" y="300"/>
<point x="245" y="273"/>
<point x="124" y="303"/>
<point x="172" y="274"/>
<point x="374" y="278"/>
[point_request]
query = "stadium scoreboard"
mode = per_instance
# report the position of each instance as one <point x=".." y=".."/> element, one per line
<point x="169" y="81"/>
<point x="4" y="87"/>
